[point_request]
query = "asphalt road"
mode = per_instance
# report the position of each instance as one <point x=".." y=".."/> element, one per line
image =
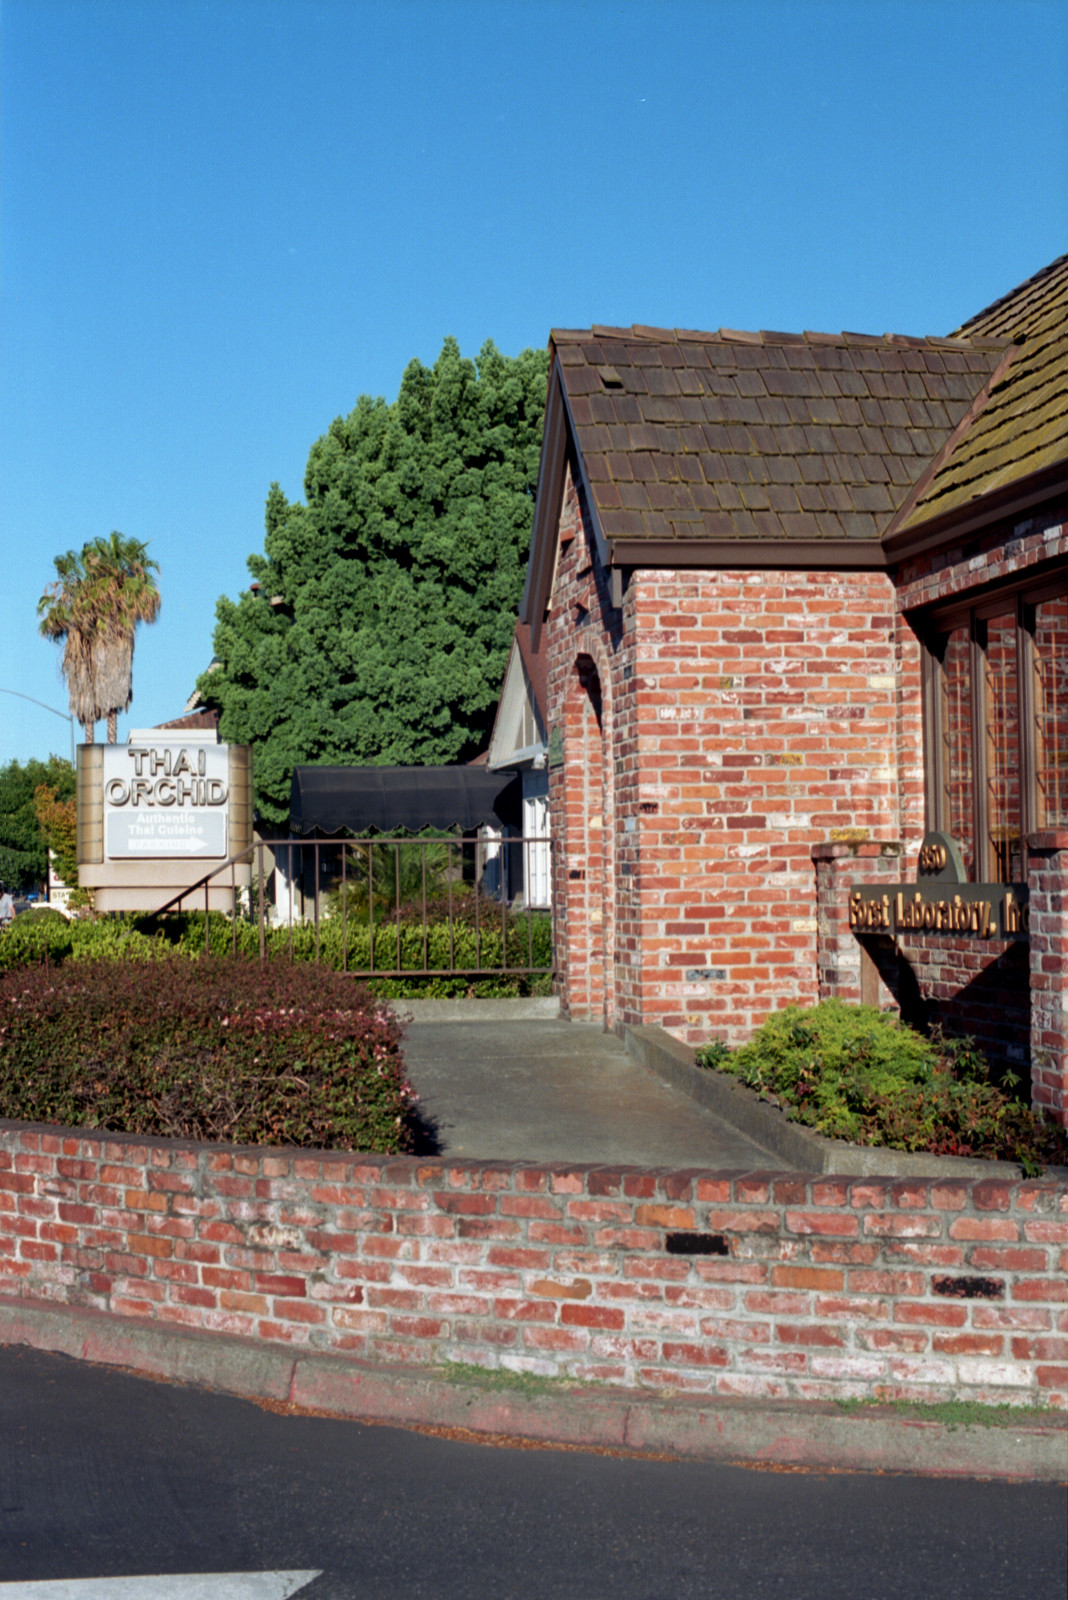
<point x="105" y="1474"/>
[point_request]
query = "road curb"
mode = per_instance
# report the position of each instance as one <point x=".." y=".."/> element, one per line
<point x="770" y="1434"/>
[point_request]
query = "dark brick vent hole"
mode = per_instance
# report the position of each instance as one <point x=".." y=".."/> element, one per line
<point x="698" y="1244"/>
<point x="969" y="1288"/>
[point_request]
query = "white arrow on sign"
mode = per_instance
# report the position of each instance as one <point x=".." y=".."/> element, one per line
<point x="170" y="847"/>
<point x="169" y="1586"/>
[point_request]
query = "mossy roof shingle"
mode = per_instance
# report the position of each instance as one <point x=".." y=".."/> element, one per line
<point x="1023" y="424"/>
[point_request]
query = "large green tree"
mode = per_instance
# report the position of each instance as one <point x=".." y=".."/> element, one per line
<point x="23" y="850"/>
<point x="379" y="625"/>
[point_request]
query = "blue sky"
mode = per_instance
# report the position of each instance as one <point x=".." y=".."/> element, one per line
<point x="223" y="220"/>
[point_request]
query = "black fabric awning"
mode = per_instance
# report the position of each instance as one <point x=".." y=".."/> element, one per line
<point x="360" y="800"/>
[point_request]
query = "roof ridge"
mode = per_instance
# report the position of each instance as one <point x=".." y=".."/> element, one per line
<point x="769" y="336"/>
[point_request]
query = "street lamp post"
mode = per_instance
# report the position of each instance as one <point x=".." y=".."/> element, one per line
<point x="20" y="696"/>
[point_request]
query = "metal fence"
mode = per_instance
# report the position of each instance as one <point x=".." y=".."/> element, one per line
<point x="388" y="908"/>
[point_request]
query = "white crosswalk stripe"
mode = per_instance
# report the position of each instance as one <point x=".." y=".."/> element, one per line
<point x="169" y="1586"/>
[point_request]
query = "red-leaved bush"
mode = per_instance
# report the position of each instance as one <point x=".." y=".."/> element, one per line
<point x="222" y="1049"/>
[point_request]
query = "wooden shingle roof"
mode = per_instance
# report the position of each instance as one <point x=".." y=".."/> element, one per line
<point x="801" y="450"/>
<point x="778" y="437"/>
<point x="1022" y="429"/>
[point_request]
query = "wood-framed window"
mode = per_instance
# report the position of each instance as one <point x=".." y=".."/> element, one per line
<point x="996" y="724"/>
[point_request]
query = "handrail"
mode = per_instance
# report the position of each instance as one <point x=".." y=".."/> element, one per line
<point x="202" y="883"/>
<point x="378" y="960"/>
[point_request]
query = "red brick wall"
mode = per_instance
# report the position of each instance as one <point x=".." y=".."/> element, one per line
<point x="746" y="718"/>
<point x="1001" y="552"/>
<point x="721" y="730"/>
<point x="980" y="988"/>
<point x="757" y="1284"/>
<point x="1048" y="878"/>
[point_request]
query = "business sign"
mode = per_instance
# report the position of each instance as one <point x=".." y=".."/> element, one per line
<point x="167" y="799"/>
<point x="941" y="901"/>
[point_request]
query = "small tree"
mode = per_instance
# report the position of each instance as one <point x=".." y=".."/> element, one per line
<point x="93" y="608"/>
<point x="23" y="850"/>
<point x="58" y="821"/>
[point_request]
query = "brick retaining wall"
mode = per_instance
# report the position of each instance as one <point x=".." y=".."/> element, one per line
<point x="738" y="1284"/>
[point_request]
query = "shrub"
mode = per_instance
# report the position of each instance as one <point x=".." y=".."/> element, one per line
<point x="43" y="914"/>
<point x="337" y="944"/>
<point x="29" y="941"/>
<point x="374" y="872"/>
<point x="852" y="1072"/>
<point x="218" y="1050"/>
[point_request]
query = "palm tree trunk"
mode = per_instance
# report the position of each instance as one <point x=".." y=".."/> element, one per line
<point x="113" y="727"/>
<point x="90" y="732"/>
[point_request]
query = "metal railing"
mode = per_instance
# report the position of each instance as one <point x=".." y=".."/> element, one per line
<point x="388" y="908"/>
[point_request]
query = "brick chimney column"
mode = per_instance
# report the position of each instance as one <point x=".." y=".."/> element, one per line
<point x="845" y="966"/>
<point x="1047" y="878"/>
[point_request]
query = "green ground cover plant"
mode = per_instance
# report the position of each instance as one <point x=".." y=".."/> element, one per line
<point x="226" y="1050"/>
<point x="856" y="1073"/>
<point x="338" y="943"/>
<point x="954" y="1414"/>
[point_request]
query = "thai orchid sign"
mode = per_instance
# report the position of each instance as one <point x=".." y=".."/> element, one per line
<point x="166" y="800"/>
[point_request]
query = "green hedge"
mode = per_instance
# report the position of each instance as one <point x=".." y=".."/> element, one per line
<point x="225" y="1050"/>
<point x="149" y="938"/>
<point x="856" y="1073"/>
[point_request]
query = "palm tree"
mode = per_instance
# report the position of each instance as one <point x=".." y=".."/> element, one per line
<point x="93" y="607"/>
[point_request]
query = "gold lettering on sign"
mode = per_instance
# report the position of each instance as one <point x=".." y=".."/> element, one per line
<point x="920" y="915"/>
<point x="869" y="915"/>
<point x="1017" y="918"/>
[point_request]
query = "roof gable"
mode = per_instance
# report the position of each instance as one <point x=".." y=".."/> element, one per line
<point x="521" y="718"/>
<point x="799" y="450"/>
<point x="768" y="436"/>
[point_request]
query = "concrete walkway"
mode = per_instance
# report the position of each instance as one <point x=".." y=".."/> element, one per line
<point x="560" y="1091"/>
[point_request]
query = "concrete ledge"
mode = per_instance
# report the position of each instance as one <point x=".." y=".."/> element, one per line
<point x="537" y="1008"/>
<point x="748" y="1432"/>
<point x="798" y="1147"/>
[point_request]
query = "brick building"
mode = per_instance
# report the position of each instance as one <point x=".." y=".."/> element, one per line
<point x="804" y="603"/>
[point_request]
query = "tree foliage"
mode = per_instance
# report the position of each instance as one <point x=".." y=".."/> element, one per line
<point x="58" y="822"/>
<point x="386" y="601"/>
<point x="23" y="846"/>
<point x="93" y="608"/>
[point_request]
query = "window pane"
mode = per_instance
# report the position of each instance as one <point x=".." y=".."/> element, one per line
<point x="1051" y="711"/>
<point x="1002" y="732"/>
<point x="957" y="794"/>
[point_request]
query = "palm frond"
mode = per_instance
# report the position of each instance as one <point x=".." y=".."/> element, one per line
<point x="93" y="607"/>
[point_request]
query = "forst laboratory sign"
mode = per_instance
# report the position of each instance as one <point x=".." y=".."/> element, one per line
<point x="156" y="814"/>
<point x="941" y="901"/>
<point x="166" y="800"/>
